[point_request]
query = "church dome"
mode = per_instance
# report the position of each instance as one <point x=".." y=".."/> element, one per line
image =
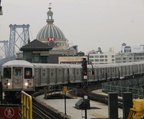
<point x="52" y="35"/>
<point x="50" y="30"/>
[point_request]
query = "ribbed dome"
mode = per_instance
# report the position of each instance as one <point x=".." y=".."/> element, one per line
<point x="52" y="35"/>
<point x="50" y="30"/>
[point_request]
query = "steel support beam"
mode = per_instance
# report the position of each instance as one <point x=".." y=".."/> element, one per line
<point x="16" y="37"/>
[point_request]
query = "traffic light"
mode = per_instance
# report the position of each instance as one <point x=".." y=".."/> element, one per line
<point x="84" y="66"/>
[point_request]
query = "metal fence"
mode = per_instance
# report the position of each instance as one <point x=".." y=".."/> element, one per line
<point x="135" y="86"/>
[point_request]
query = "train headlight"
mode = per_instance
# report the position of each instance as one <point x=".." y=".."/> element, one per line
<point x="26" y="83"/>
<point x="8" y="83"/>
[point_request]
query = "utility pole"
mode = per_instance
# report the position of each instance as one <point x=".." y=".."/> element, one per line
<point x="1" y="13"/>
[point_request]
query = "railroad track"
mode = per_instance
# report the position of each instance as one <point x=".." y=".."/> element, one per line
<point x="43" y="111"/>
<point x="96" y="97"/>
<point x="38" y="113"/>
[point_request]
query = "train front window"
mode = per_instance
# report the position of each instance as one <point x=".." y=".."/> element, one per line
<point x="28" y="73"/>
<point x="7" y="73"/>
<point x="17" y="71"/>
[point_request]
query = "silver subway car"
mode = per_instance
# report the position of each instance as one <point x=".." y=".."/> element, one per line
<point x="18" y="75"/>
<point x="50" y="74"/>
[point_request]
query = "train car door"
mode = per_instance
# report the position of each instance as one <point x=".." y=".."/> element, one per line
<point x="127" y="70"/>
<point x="59" y="76"/>
<point x="131" y="70"/>
<point x="91" y="74"/>
<point x="135" y="69"/>
<point x="17" y="78"/>
<point x="37" y="76"/>
<point x="77" y="74"/>
<point x="43" y="76"/>
<point x="66" y="74"/>
<point x="95" y="74"/>
<point x="71" y="75"/>
<point x="52" y="76"/>
<point x="113" y="72"/>
<point x="117" y="72"/>
<point x="123" y="71"/>
<point x="98" y="74"/>
<point x="108" y="73"/>
<point x="140" y="69"/>
<point x="103" y="73"/>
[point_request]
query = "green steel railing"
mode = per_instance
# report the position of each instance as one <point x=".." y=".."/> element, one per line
<point x="136" y="86"/>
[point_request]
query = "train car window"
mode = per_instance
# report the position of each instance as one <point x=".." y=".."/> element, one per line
<point x="7" y="73"/>
<point x="28" y="73"/>
<point x="17" y="71"/>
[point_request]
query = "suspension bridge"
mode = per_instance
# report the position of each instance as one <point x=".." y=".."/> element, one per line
<point x="19" y="36"/>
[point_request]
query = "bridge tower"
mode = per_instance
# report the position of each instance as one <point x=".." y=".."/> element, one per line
<point x="4" y="49"/>
<point x="17" y="38"/>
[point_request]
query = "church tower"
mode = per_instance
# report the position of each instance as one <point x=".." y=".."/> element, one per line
<point x="52" y="35"/>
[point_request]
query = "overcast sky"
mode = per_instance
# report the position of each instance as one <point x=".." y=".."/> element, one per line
<point x="87" y="23"/>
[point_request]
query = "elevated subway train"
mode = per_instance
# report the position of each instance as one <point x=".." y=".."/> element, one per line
<point x="20" y="75"/>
